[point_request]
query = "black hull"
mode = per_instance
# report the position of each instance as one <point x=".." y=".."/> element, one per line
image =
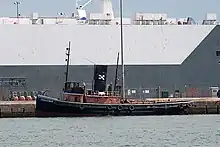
<point x="50" y="107"/>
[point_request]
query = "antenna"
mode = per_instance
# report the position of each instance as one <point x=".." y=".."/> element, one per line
<point x="94" y="64"/>
<point x="67" y="60"/>
<point x="17" y="3"/>
<point x="122" y="51"/>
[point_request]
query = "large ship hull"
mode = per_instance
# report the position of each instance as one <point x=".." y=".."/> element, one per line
<point x="51" y="107"/>
<point x="165" y="56"/>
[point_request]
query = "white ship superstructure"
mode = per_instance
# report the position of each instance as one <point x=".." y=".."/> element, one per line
<point x="106" y="17"/>
<point x="159" y="50"/>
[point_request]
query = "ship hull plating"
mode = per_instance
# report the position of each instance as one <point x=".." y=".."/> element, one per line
<point x="50" y="107"/>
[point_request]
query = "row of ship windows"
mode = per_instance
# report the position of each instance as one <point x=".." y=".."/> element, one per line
<point x="117" y="22"/>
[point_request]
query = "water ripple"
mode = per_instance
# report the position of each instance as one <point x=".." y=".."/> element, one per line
<point x="151" y="131"/>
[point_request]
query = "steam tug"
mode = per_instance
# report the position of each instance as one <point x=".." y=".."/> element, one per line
<point x="77" y="100"/>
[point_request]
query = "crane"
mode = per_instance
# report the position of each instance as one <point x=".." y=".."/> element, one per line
<point x="78" y="6"/>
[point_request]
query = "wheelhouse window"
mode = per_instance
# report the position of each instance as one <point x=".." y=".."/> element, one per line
<point x="218" y="53"/>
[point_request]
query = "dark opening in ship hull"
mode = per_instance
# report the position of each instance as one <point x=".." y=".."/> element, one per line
<point x="50" y="107"/>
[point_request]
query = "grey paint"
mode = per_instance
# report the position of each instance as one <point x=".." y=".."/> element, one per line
<point x="201" y="68"/>
<point x="52" y="77"/>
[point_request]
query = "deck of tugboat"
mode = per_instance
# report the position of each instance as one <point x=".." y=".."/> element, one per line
<point x="154" y="102"/>
<point x="77" y="94"/>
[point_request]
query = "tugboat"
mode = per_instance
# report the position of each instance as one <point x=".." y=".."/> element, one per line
<point x="77" y="100"/>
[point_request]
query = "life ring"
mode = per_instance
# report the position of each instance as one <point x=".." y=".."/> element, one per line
<point x="81" y="107"/>
<point x="109" y="107"/>
<point x="181" y="106"/>
<point x="131" y="107"/>
<point x="189" y="105"/>
<point x="120" y="107"/>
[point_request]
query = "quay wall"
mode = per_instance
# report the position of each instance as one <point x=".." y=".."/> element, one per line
<point x="11" y="109"/>
<point x="17" y="109"/>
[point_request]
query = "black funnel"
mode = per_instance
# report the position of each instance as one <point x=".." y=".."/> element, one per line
<point x="100" y="75"/>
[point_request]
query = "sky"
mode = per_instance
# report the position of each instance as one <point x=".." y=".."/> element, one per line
<point x="174" y="8"/>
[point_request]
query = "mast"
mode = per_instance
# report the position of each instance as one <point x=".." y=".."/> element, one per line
<point x="122" y="51"/>
<point x="67" y="60"/>
<point x="116" y="74"/>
